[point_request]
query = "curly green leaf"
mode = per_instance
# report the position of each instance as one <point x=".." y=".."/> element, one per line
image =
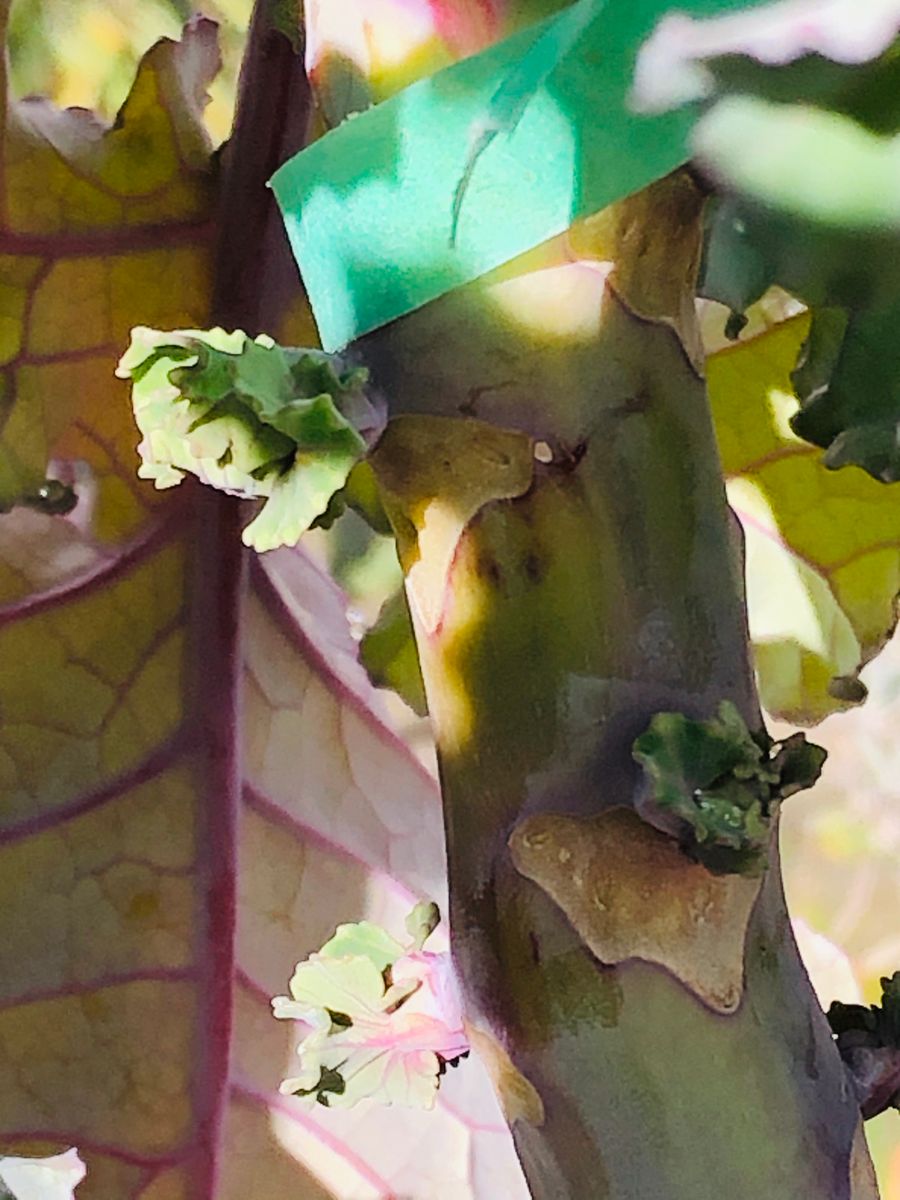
<point x="717" y="785"/>
<point x="251" y="418"/>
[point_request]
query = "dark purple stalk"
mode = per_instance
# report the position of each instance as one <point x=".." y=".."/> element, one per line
<point x="253" y="278"/>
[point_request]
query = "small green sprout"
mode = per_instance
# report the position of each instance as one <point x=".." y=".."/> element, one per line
<point x="717" y="786"/>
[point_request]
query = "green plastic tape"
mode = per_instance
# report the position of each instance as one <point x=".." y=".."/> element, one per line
<point x="477" y="164"/>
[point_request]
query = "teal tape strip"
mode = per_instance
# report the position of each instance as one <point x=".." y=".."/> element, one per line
<point x="477" y="164"/>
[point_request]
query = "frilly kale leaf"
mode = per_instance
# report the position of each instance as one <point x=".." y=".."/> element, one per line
<point x="717" y="786"/>
<point x="251" y="418"/>
<point x="868" y="1039"/>
<point x="383" y="1020"/>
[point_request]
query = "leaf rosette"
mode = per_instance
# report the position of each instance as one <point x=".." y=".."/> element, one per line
<point x="251" y="418"/>
<point x="384" y="1020"/>
<point x="716" y="785"/>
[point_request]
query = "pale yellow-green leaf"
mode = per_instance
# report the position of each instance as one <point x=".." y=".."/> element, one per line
<point x="366" y="939"/>
<point x="823" y="547"/>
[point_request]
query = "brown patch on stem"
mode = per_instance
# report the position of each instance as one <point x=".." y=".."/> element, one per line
<point x="435" y="474"/>
<point x="519" y="1098"/>
<point x="630" y="892"/>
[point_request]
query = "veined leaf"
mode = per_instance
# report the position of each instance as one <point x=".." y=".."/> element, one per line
<point x="365" y="825"/>
<point x="823" y="547"/>
<point x="96" y="229"/>
<point x="166" y="853"/>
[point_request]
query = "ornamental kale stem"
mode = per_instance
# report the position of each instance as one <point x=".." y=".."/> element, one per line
<point x="572" y="569"/>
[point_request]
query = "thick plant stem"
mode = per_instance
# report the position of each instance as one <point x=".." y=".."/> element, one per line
<point x="572" y="569"/>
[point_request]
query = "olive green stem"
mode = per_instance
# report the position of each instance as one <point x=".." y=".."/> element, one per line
<point x="572" y="569"/>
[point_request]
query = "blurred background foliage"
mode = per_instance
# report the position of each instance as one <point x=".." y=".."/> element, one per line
<point x="83" y="52"/>
<point x="840" y="843"/>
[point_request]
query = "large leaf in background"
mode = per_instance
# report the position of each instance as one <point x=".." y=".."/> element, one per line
<point x="97" y="225"/>
<point x="804" y="136"/>
<point x="367" y="821"/>
<point x="106" y="865"/>
<point x="823" y="547"/>
<point x="337" y="823"/>
<point x="147" y="911"/>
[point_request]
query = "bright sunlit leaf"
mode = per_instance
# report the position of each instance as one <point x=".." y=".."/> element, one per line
<point x="823" y="547"/>
<point x="385" y="1021"/>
